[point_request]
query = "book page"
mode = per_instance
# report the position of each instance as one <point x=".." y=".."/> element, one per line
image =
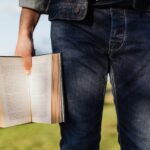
<point x="40" y="85"/>
<point x="14" y="92"/>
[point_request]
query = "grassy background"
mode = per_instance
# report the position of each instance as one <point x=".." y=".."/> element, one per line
<point x="46" y="137"/>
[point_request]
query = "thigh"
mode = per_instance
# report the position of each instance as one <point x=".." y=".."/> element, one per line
<point x="84" y="80"/>
<point x="130" y="76"/>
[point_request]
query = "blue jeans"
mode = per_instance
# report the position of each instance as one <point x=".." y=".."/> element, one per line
<point x="114" y="41"/>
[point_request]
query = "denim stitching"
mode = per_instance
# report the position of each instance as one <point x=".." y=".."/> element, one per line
<point x="47" y="7"/>
<point x="125" y="30"/>
<point x="124" y="33"/>
<point x="110" y="30"/>
<point x="104" y="89"/>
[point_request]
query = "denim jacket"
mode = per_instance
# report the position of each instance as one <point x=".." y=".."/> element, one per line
<point x="68" y="9"/>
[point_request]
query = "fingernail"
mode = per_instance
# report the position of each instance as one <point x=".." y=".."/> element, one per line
<point x="27" y="72"/>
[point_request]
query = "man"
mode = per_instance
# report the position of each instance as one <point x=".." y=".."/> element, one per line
<point x="97" y="38"/>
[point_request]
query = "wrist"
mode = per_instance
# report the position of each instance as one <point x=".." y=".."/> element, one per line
<point x="26" y="33"/>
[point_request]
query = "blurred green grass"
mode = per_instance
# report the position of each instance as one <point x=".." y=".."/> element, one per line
<point x="47" y="137"/>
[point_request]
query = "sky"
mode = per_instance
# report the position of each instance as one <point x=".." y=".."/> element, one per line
<point x="9" y="24"/>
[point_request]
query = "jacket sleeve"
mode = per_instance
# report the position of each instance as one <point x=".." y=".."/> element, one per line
<point x="41" y="6"/>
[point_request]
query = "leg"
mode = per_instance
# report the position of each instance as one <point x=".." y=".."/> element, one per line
<point x="130" y="76"/>
<point x="84" y="77"/>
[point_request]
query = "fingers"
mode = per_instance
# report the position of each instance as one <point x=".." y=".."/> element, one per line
<point x="27" y="64"/>
<point x="26" y="60"/>
<point x="24" y="49"/>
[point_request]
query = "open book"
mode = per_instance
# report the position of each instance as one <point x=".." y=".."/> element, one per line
<point x="37" y="97"/>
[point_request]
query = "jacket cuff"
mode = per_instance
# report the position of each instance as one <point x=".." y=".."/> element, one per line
<point x="42" y="6"/>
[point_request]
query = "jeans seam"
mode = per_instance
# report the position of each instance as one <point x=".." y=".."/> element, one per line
<point x="124" y="33"/>
<point x="115" y="98"/>
<point x="104" y="90"/>
<point x="110" y="30"/>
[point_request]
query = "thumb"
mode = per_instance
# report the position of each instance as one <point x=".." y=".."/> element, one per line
<point x="27" y="64"/>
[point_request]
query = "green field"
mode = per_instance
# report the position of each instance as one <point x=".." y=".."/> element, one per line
<point x="46" y="137"/>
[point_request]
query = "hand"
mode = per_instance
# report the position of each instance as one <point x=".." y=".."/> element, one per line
<point x="28" y="21"/>
<point x="24" y="49"/>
